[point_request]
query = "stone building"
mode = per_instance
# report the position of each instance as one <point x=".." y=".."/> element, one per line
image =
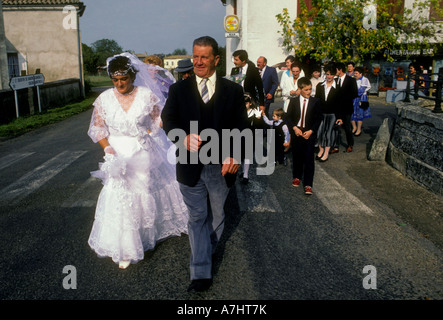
<point x="43" y="36"/>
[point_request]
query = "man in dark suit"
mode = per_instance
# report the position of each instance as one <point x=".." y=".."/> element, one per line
<point x="270" y="81"/>
<point x="207" y="102"/>
<point x="246" y="74"/>
<point x="347" y="91"/>
<point x="303" y="118"/>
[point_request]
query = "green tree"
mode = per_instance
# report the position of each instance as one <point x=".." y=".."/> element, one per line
<point x="89" y="59"/>
<point x="104" y="49"/>
<point x="179" y="52"/>
<point x="342" y="30"/>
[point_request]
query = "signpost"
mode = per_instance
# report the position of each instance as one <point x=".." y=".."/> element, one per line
<point x="232" y="26"/>
<point x="23" y="82"/>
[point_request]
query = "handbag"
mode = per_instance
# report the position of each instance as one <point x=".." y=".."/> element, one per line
<point x="364" y="103"/>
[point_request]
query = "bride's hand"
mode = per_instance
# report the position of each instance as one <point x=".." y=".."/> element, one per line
<point x="109" y="150"/>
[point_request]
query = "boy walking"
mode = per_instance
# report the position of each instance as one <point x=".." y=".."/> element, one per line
<point x="304" y="117"/>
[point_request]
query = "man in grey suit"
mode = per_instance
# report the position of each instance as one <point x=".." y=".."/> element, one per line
<point x="211" y="102"/>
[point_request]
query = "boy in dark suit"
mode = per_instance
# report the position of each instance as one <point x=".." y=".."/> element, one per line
<point x="304" y="117"/>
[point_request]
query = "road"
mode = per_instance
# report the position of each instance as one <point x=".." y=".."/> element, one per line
<point x="367" y="233"/>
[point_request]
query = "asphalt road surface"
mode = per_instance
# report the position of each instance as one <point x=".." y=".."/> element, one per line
<point x="367" y="233"/>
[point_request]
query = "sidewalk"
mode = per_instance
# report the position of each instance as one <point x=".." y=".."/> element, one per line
<point x="411" y="203"/>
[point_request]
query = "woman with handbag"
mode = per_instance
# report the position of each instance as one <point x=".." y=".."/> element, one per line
<point x="361" y="103"/>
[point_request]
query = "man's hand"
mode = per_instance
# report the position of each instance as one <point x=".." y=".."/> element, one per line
<point x="269" y="96"/>
<point x="192" y="142"/>
<point x="297" y="131"/>
<point x="230" y="165"/>
<point x="307" y="134"/>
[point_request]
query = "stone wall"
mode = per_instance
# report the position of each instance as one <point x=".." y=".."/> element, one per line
<point x="416" y="145"/>
<point x="52" y="94"/>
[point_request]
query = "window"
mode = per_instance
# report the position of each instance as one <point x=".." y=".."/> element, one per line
<point x="14" y="70"/>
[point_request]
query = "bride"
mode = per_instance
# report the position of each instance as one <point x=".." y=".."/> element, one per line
<point x="140" y="203"/>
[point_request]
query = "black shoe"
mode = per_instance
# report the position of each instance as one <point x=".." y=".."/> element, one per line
<point x="244" y="180"/>
<point x="199" y="285"/>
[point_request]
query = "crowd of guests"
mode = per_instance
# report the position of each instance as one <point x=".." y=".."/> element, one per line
<point x="147" y="198"/>
<point x="318" y="105"/>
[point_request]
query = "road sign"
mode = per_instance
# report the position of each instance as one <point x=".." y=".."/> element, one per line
<point x="29" y="81"/>
<point x="23" y="82"/>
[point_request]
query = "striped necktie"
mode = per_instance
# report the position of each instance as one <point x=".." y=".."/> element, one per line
<point x="204" y="90"/>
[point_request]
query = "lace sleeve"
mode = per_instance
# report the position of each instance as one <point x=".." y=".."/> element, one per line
<point x="98" y="129"/>
<point x="154" y="110"/>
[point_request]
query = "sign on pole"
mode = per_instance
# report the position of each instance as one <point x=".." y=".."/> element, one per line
<point x="23" y="82"/>
<point x="232" y="26"/>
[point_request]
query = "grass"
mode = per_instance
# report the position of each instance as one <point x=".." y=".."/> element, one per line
<point x="25" y="124"/>
<point x="98" y="81"/>
<point x="22" y="125"/>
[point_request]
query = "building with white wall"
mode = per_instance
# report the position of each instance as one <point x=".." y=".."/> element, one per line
<point x="258" y="32"/>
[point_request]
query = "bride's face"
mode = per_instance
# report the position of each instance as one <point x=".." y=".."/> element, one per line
<point x="123" y="84"/>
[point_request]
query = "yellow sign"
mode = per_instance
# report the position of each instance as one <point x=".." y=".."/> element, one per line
<point x="232" y="23"/>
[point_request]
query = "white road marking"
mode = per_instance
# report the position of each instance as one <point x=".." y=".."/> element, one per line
<point x="75" y="201"/>
<point x="258" y="199"/>
<point x="336" y="198"/>
<point x="12" y="158"/>
<point x="39" y="176"/>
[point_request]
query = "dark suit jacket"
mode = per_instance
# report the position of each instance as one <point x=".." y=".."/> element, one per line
<point x="253" y="83"/>
<point x="313" y="116"/>
<point x="346" y="94"/>
<point x="270" y="82"/>
<point x="331" y="104"/>
<point x="183" y="106"/>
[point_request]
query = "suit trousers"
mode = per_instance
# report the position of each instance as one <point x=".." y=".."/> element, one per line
<point x="347" y="127"/>
<point x="205" y="202"/>
<point x="303" y="163"/>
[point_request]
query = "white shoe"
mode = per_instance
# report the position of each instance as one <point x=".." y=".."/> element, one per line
<point x="123" y="264"/>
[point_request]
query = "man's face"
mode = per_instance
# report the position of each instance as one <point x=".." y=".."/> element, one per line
<point x="204" y="61"/>
<point x="306" y="91"/>
<point x="261" y="63"/>
<point x="238" y="63"/>
<point x="340" y="72"/>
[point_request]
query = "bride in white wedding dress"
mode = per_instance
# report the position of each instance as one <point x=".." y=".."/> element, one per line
<point x="140" y="203"/>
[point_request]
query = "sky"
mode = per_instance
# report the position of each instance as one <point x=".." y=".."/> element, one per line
<point x="152" y="26"/>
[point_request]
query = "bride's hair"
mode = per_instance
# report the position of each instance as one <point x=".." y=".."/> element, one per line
<point x="121" y="65"/>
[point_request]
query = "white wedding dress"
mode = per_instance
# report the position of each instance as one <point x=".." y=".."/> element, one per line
<point x="140" y="203"/>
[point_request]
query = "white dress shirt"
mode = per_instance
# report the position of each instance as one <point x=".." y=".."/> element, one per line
<point x="302" y="99"/>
